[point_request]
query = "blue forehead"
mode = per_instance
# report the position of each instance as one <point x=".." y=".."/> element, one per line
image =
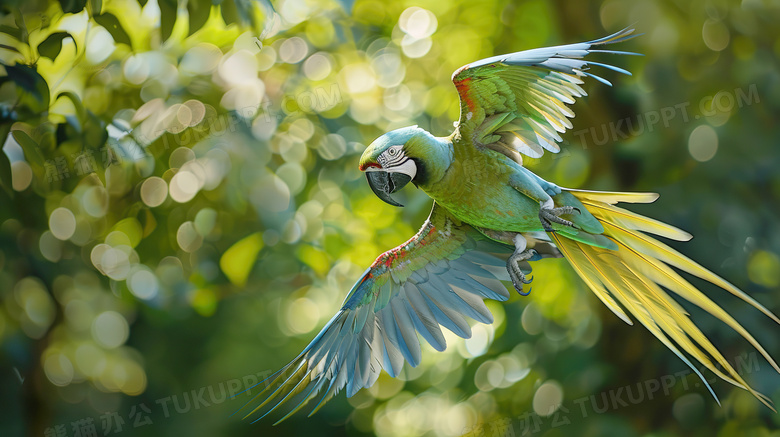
<point x="398" y="136"/>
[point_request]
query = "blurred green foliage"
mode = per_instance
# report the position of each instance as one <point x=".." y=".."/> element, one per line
<point x="181" y="210"/>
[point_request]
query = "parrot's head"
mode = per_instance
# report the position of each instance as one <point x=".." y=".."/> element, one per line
<point x="392" y="161"/>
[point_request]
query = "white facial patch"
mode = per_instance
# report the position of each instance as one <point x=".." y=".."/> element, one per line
<point x="408" y="168"/>
<point x="393" y="160"/>
<point x="392" y="156"/>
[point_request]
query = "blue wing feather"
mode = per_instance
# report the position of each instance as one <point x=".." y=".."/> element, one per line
<point x="378" y="325"/>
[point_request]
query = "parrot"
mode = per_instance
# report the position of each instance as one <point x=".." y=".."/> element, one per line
<point x="491" y="216"/>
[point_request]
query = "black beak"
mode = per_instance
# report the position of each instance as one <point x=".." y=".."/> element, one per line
<point x="383" y="184"/>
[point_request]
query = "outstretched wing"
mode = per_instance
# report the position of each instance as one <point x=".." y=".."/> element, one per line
<point x="436" y="278"/>
<point x="515" y="104"/>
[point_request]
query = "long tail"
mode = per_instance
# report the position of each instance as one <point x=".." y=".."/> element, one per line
<point x="634" y="274"/>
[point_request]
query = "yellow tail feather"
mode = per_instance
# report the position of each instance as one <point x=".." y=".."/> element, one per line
<point x="634" y="274"/>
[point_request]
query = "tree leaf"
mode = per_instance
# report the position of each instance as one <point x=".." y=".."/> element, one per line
<point x="32" y="152"/>
<point x="95" y="133"/>
<point x="13" y="31"/>
<point x="29" y="80"/>
<point x="244" y="9"/>
<point x="96" y="6"/>
<point x="5" y="164"/>
<point x="237" y="261"/>
<point x="112" y="25"/>
<point x="11" y="48"/>
<point x="229" y="12"/>
<point x="167" y="17"/>
<point x="199" y="14"/>
<point x="72" y="6"/>
<point x="81" y="113"/>
<point x="52" y="45"/>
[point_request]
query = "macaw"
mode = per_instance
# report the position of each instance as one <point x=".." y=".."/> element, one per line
<point x="490" y="217"/>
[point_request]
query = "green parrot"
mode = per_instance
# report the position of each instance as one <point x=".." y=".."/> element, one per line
<point x="490" y="217"/>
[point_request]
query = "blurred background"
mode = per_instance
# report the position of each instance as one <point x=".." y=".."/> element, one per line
<point x="181" y="211"/>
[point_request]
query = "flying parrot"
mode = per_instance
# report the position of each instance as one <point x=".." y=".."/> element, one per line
<point x="490" y="217"/>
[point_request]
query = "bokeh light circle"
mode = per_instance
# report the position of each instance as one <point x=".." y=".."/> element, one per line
<point x="110" y="329"/>
<point x="62" y="223"/>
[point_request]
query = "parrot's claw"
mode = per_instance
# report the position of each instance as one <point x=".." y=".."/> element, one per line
<point x="515" y="273"/>
<point x="548" y="216"/>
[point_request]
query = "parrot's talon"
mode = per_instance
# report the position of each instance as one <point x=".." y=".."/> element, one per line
<point x="520" y="254"/>
<point x="548" y="216"/>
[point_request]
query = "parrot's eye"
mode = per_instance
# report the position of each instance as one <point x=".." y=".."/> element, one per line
<point x="391" y="156"/>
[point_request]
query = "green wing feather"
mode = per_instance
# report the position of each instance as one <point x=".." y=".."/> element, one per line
<point x="516" y="103"/>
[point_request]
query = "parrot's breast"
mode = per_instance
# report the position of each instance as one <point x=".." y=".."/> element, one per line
<point x="476" y="190"/>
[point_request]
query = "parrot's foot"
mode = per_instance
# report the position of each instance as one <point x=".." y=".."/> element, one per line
<point x="513" y="264"/>
<point x="548" y="216"/>
<point x="517" y="275"/>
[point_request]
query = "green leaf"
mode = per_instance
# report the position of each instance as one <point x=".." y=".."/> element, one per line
<point x="29" y="80"/>
<point x="95" y="133"/>
<point x="5" y="164"/>
<point x="81" y="113"/>
<point x="244" y="9"/>
<point x="147" y="220"/>
<point x="32" y="152"/>
<point x="96" y="6"/>
<point x="237" y="261"/>
<point x="229" y="12"/>
<point x="5" y="174"/>
<point x="72" y="6"/>
<point x="74" y="122"/>
<point x="19" y="21"/>
<point x="11" y="48"/>
<point x="112" y="25"/>
<point x="10" y="30"/>
<point x="199" y="14"/>
<point x="67" y="131"/>
<point x="131" y="230"/>
<point x="167" y="17"/>
<point x="52" y="45"/>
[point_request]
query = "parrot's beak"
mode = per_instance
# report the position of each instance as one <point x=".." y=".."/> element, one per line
<point x="384" y="183"/>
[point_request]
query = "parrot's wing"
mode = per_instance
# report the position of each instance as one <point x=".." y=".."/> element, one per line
<point x="436" y="278"/>
<point x="515" y="103"/>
